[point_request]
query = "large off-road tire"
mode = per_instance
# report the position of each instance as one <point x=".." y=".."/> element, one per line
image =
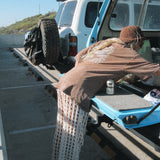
<point x="50" y="40"/>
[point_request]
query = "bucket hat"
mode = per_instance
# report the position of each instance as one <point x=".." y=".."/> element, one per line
<point x="131" y="33"/>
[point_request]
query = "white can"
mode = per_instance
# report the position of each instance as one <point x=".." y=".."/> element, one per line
<point x="110" y="87"/>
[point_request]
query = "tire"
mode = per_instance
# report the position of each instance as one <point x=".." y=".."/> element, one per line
<point x="50" y="40"/>
<point x="33" y="46"/>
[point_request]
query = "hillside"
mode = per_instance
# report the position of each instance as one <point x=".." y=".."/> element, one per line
<point x="25" y="25"/>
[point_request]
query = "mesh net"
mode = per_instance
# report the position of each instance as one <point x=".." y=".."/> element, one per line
<point x="70" y="130"/>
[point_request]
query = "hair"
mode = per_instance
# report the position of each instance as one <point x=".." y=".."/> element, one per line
<point x="104" y="44"/>
<point x="134" y="43"/>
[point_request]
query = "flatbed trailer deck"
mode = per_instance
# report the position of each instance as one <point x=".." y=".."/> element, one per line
<point x="124" y="104"/>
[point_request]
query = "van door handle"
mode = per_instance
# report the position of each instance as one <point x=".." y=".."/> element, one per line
<point x="93" y="40"/>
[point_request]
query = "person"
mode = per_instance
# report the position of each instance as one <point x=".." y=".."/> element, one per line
<point x="107" y="59"/>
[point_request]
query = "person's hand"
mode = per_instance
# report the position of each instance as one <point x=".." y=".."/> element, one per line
<point x="157" y="73"/>
<point x="156" y="81"/>
<point x="129" y="78"/>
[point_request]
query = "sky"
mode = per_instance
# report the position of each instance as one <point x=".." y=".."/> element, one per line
<point x="12" y="11"/>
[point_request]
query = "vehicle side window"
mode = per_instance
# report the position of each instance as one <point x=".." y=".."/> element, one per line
<point x="120" y="17"/>
<point x="137" y="10"/>
<point x="151" y="19"/>
<point x="91" y="13"/>
<point x="67" y="13"/>
<point x="59" y="13"/>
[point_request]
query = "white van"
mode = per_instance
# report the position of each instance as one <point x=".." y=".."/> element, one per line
<point x="75" y="19"/>
<point x="56" y="39"/>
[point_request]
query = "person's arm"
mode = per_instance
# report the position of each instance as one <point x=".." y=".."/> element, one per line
<point x="157" y="73"/>
<point x="154" y="80"/>
<point x="143" y="69"/>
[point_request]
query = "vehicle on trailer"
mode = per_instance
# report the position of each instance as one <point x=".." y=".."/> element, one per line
<point x="62" y="37"/>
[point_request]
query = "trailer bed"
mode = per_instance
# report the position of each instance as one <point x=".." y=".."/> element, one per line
<point x="126" y="103"/>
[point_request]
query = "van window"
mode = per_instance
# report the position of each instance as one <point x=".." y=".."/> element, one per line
<point x="127" y="12"/>
<point x="137" y="10"/>
<point x="120" y="17"/>
<point x="57" y="18"/>
<point x="91" y="13"/>
<point x="151" y="20"/>
<point x="67" y="14"/>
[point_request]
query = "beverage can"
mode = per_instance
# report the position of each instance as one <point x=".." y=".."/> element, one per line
<point x="110" y="87"/>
